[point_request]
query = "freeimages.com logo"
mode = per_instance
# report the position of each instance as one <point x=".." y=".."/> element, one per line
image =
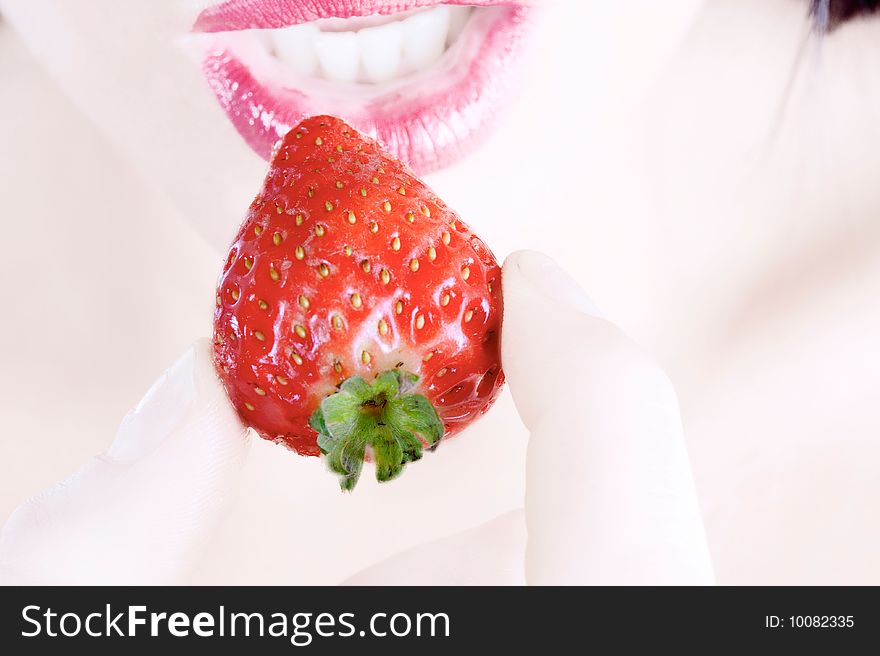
<point x="300" y="628"/>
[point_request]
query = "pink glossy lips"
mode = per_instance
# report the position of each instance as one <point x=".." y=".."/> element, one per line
<point x="425" y="78"/>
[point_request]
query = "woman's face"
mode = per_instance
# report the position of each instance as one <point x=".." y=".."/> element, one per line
<point x="195" y="92"/>
<point x="642" y="140"/>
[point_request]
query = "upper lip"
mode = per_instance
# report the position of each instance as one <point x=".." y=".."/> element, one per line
<point x="269" y="14"/>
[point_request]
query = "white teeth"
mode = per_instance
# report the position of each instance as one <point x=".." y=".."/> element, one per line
<point x="360" y="22"/>
<point x="458" y="17"/>
<point x="424" y="38"/>
<point x="263" y="37"/>
<point x="371" y="49"/>
<point x="295" y="46"/>
<point x="380" y="50"/>
<point x="339" y="55"/>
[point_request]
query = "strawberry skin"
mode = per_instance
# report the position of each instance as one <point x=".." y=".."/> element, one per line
<point x="356" y="315"/>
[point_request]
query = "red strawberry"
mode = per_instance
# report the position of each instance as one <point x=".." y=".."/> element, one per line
<point x="356" y="314"/>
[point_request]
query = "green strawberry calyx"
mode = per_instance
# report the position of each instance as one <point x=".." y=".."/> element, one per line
<point x="386" y="415"/>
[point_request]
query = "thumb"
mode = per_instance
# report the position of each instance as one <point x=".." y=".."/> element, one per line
<point x="609" y="493"/>
<point x="142" y="512"/>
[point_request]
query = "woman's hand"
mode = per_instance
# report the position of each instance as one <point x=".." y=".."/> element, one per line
<point x="142" y="512"/>
<point x="609" y="493"/>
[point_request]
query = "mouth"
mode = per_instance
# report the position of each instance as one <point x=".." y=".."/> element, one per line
<point x="427" y="79"/>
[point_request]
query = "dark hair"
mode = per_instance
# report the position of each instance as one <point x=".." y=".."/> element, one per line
<point x="829" y="14"/>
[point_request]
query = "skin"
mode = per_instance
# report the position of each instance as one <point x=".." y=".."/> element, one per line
<point x="716" y="199"/>
<point x="146" y="509"/>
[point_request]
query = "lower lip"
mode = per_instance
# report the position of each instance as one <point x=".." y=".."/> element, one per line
<point x="429" y="123"/>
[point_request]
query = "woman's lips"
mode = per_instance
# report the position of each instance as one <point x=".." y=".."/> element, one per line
<point x="265" y="14"/>
<point x="428" y="118"/>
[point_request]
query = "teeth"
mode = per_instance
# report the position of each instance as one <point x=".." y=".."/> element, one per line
<point x="424" y="38"/>
<point x="295" y="46"/>
<point x="359" y="23"/>
<point x="372" y="49"/>
<point x="263" y="37"/>
<point x="380" y="50"/>
<point x="458" y="17"/>
<point x="339" y="55"/>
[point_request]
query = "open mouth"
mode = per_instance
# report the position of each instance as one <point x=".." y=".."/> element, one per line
<point x="425" y="78"/>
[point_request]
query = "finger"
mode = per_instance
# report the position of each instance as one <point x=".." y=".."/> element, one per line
<point x="490" y="554"/>
<point x="609" y="492"/>
<point x="141" y="512"/>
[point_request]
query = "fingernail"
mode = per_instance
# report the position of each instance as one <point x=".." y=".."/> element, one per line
<point x="553" y="282"/>
<point x="160" y="411"/>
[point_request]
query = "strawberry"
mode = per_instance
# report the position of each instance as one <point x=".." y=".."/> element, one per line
<point x="357" y="316"/>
